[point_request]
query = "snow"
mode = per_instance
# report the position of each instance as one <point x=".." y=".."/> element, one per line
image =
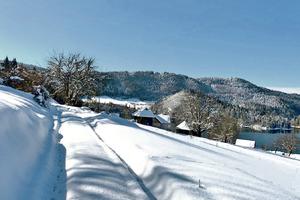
<point x="172" y="165"/>
<point x="132" y="102"/>
<point x="34" y="165"/>
<point x="16" y="78"/>
<point x="70" y="153"/>
<point x="294" y="156"/>
<point x="93" y="171"/>
<point x="144" y="112"/>
<point x="183" y="126"/>
<point x="27" y="146"/>
<point x="161" y="120"/>
<point x="1" y="81"/>
<point x="245" y="143"/>
<point x="164" y="118"/>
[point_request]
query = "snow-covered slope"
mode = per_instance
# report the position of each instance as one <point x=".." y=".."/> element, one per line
<point x="180" y="167"/>
<point x="54" y="153"/>
<point x="106" y="157"/>
<point x="26" y="146"/>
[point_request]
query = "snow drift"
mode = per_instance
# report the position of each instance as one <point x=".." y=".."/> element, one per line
<point x="26" y="141"/>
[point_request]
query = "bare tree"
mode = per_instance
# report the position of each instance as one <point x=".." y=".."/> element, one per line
<point x="197" y="111"/>
<point x="287" y="142"/>
<point x="71" y="77"/>
<point x="225" y="128"/>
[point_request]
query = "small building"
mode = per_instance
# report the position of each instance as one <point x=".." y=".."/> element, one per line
<point x="245" y="143"/>
<point x="183" y="128"/>
<point x="144" y="116"/>
<point x="162" y="121"/>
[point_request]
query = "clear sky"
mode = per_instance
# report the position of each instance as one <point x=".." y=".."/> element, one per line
<point x="258" y="40"/>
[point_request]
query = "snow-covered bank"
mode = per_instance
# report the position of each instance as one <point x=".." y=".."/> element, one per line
<point x="27" y="146"/>
<point x="179" y="167"/>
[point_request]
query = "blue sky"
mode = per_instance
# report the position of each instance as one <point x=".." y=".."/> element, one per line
<point x="257" y="40"/>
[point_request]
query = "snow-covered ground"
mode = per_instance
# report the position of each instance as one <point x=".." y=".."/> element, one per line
<point x="172" y="166"/>
<point x="294" y="156"/>
<point x="62" y="152"/>
<point x="132" y="102"/>
<point x="27" y="147"/>
<point x="93" y="170"/>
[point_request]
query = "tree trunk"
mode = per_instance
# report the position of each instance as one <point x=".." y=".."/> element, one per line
<point x="199" y="133"/>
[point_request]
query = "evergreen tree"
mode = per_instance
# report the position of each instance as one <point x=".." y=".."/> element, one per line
<point x="6" y="64"/>
<point x="14" y="63"/>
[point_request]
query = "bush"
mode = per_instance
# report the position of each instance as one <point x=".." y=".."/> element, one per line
<point x="40" y="95"/>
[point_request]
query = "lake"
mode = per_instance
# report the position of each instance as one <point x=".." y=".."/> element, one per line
<point x="265" y="138"/>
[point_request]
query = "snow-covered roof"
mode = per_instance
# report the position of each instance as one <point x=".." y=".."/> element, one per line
<point x="165" y="117"/>
<point x="183" y="126"/>
<point x="144" y="112"/>
<point x="16" y="78"/>
<point x="245" y="143"/>
<point x="162" y="120"/>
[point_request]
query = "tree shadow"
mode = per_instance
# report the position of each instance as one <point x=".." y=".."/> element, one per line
<point x="59" y="189"/>
<point x="96" y="177"/>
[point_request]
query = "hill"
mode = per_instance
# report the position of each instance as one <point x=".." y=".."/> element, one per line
<point x="64" y="152"/>
<point x="146" y="85"/>
<point x="265" y="106"/>
<point x="258" y="100"/>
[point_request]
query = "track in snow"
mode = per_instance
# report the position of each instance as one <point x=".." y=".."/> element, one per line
<point x="138" y="179"/>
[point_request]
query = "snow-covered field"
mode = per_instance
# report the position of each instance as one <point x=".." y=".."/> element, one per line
<point x="132" y="102"/>
<point x="67" y="153"/>
<point x="172" y="166"/>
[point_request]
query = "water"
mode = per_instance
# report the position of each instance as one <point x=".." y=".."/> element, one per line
<point x="265" y="138"/>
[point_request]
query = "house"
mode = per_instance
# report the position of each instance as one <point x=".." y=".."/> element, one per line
<point x="162" y="121"/>
<point x="245" y="143"/>
<point x="147" y="117"/>
<point x="184" y="128"/>
<point x="144" y="116"/>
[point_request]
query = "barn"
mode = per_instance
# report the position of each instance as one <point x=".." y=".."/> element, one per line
<point x="144" y="116"/>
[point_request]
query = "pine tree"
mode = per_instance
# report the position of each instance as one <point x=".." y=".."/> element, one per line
<point x="14" y="63"/>
<point x="6" y="64"/>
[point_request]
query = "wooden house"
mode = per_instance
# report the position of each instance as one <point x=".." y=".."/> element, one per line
<point x="144" y="116"/>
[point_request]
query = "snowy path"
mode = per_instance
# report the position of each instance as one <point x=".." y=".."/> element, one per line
<point x="93" y="170"/>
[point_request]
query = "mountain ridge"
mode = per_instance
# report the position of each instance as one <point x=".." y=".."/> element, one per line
<point x="262" y="104"/>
